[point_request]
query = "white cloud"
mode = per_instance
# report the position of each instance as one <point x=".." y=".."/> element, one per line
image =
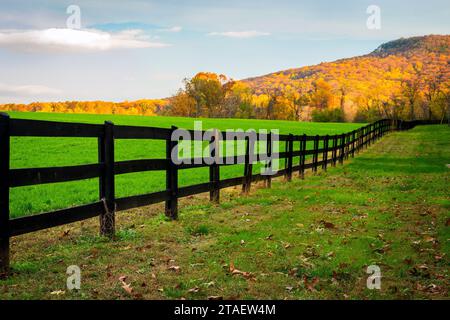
<point x="58" y="39"/>
<point x="173" y="29"/>
<point x="240" y="34"/>
<point x="27" y="90"/>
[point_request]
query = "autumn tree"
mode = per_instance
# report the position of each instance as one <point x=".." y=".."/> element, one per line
<point x="295" y="99"/>
<point x="322" y="95"/>
<point x="411" y="86"/>
<point x="182" y="105"/>
<point x="238" y="101"/>
<point x="207" y="90"/>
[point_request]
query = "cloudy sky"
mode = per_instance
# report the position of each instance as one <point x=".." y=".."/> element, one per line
<point x="127" y="50"/>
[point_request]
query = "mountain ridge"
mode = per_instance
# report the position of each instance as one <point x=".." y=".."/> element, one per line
<point x="378" y="75"/>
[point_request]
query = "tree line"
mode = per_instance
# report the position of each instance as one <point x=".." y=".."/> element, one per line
<point x="415" y="96"/>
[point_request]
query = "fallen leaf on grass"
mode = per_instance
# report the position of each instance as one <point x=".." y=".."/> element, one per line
<point x="334" y="278"/>
<point x="422" y="267"/>
<point x="383" y="249"/>
<point x="122" y="278"/>
<point x="194" y="290"/>
<point x="293" y="272"/>
<point x="234" y="271"/>
<point x="327" y="224"/>
<point x="431" y="288"/>
<point x="215" y="298"/>
<point x="57" y="292"/>
<point x="174" y="268"/>
<point x="125" y="286"/>
<point x="429" y="239"/>
<point x="65" y="233"/>
<point x="310" y="285"/>
<point x="408" y="261"/>
<point x="438" y="257"/>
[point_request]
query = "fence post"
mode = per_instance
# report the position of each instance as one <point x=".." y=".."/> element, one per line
<point x="101" y="160"/>
<point x="358" y="140"/>
<point x="347" y="145"/>
<point x="325" y="153"/>
<point x="364" y="138"/>
<point x="302" y="156"/>
<point x="269" y="155"/>
<point x="342" y="150"/>
<point x="379" y="125"/>
<point x="214" y="173"/>
<point x="4" y="194"/>
<point x="363" y="131"/>
<point x="290" y="145"/>
<point x="353" y="143"/>
<point x="372" y="135"/>
<point x="374" y="132"/>
<point x="316" y="153"/>
<point x="334" y="152"/>
<point x="368" y="137"/>
<point x="172" y="179"/>
<point x="361" y="146"/>
<point x="107" y="218"/>
<point x="248" y="167"/>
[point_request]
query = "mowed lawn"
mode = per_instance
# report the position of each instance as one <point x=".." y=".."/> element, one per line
<point x="312" y="238"/>
<point x="27" y="152"/>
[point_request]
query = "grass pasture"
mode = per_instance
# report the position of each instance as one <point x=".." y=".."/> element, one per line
<point x="306" y="239"/>
<point x="27" y="152"/>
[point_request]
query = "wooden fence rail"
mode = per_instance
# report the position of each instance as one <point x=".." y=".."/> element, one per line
<point x="331" y="149"/>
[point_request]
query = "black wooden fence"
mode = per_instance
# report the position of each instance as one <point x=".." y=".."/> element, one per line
<point x="326" y="150"/>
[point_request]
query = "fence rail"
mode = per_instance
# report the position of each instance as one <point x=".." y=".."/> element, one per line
<point x="330" y="149"/>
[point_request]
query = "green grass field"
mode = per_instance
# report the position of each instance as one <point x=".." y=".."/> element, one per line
<point x="27" y="152"/>
<point x="307" y="239"/>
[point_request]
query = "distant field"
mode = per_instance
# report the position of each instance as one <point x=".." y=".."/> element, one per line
<point x="44" y="152"/>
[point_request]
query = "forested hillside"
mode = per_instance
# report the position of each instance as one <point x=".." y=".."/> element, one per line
<point x="407" y="78"/>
